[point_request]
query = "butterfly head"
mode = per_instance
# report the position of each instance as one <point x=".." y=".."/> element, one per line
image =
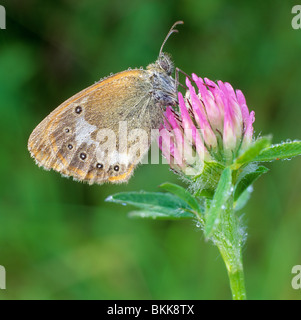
<point x="165" y="63"/>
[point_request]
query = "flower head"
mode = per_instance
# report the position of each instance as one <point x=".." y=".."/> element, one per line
<point x="213" y="124"/>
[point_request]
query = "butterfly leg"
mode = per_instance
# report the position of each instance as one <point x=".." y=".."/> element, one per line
<point x="177" y="71"/>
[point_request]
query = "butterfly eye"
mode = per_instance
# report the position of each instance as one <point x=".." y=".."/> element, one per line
<point x="166" y="63"/>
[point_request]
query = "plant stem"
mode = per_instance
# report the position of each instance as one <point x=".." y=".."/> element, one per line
<point x="237" y="284"/>
<point x="229" y="237"/>
<point x="235" y="274"/>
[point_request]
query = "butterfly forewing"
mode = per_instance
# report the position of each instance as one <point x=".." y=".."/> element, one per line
<point x="72" y="139"/>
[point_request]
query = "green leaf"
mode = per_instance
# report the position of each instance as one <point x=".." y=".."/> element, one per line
<point x="243" y="199"/>
<point x="183" y="194"/>
<point x="158" y="203"/>
<point x="159" y="215"/>
<point x="207" y="193"/>
<point x="248" y="178"/>
<point x="252" y="152"/>
<point x="219" y="200"/>
<point x="285" y="150"/>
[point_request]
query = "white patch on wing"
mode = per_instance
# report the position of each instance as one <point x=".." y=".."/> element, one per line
<point x="83" y="130"/>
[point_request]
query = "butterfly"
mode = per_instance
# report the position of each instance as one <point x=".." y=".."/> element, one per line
<point x="85" y="136"/>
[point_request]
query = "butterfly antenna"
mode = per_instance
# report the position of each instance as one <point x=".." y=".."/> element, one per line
<point x="171" y="31"/>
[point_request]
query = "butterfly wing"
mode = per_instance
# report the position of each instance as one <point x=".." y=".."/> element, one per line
<point x="83" y="137"/>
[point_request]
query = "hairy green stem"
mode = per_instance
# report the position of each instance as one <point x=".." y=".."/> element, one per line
<point x="237" y="284"/>
<point x="235" y="274"/>
<point x="229" y="237"/>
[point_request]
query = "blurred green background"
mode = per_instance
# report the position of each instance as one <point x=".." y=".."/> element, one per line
<point x="58" y="238"/>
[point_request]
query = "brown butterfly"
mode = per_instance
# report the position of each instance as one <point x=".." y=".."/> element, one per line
<point x="78" y="138"/>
